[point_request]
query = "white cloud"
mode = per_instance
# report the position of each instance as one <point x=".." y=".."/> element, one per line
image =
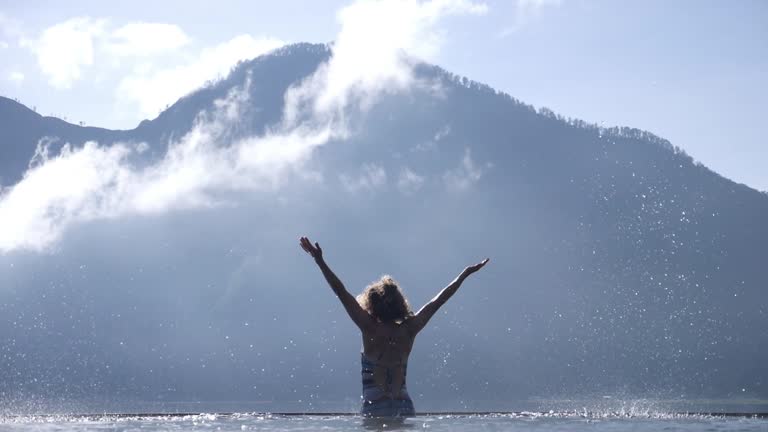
<point x="97" y="182"/>
<point x="425" y="146"/>
<point x="152" y="89"/>
<point x="71" y="187"/>
<point x="16" y="77"/>
<point x="524" y="12"/>
<point x="442" y="133"/>
<point x="3" y="45"/>
<point x="65" y="49"/>
<point x="368" y="55"/>
<point x="369" y="51"/>
<point x="409" y="182"/>
<point x="466" y="174"/>
<point x="371" y="177"/>
<point x="431" y="145"/>
<point x="145" y="39"/>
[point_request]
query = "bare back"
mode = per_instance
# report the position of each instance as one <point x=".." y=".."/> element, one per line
<point x="387" y="347"/>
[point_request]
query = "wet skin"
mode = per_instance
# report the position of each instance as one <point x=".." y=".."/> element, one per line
<point x="388" y="346"/>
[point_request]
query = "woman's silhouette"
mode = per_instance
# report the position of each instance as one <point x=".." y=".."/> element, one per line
<point x="389" y="328"/>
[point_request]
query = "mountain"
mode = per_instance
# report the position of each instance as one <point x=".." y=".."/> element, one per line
<point x="619" y="266"/>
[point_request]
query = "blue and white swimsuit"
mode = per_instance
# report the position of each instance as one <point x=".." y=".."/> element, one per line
<point x="375" y="400"/>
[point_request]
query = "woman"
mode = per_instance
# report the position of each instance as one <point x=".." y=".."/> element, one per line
<point x="389" y="327"/>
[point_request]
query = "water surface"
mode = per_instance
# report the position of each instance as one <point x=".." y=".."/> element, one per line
<point x="522" y="421"/>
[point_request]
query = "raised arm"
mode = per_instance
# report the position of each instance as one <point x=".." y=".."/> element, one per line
<point x="422" y="317"/>
<point x="357" y="313"/>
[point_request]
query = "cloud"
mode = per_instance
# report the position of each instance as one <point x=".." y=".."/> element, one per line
<point x="65" y="49"/>
<point x="466" y="174"/>
<point x="16" y="77"/>
<point x="100" y="182"/>
<point x="524" y="12"/>
<point x="151" y="51"/>
<point x="369" y="52"/>
<point x="442" y="133"/>
<point x="205" y="166"/>
<point x="431" y="145"/>
<point x="154" y="89"/>
<point x="3" y="45"/>
<point x="145" y="39"/>
<point x="409" y="182"/>
<point x="73" y="186"/>
<point x="372" y="177"/>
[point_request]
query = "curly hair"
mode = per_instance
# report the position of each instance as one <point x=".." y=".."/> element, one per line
<point x="384" y="301"/>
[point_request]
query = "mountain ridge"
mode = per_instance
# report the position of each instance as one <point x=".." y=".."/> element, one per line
<point x="187" y="107"/>
<point x="618" y="262"/>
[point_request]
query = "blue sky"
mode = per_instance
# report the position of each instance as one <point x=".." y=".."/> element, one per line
<point x="690" y="71"/>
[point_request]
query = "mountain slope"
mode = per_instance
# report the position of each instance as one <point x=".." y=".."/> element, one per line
<point x="619" y="264"/>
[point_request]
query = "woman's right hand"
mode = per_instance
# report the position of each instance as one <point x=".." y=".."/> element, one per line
<point x="315" y="251"/>
<point x="473" y="268"/>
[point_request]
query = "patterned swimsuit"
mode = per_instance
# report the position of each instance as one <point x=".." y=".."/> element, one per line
<point x="375" y="401"/>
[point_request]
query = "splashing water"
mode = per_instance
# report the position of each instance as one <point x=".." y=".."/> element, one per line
<point x="551" y="421"/>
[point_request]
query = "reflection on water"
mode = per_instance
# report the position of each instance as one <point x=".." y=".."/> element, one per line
<point x="549" y="421"/>
<point x="390" y="424"/>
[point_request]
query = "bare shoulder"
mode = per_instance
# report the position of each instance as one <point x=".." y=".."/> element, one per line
<point x="386" y="330"/>
<point x="415" y="323"/>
